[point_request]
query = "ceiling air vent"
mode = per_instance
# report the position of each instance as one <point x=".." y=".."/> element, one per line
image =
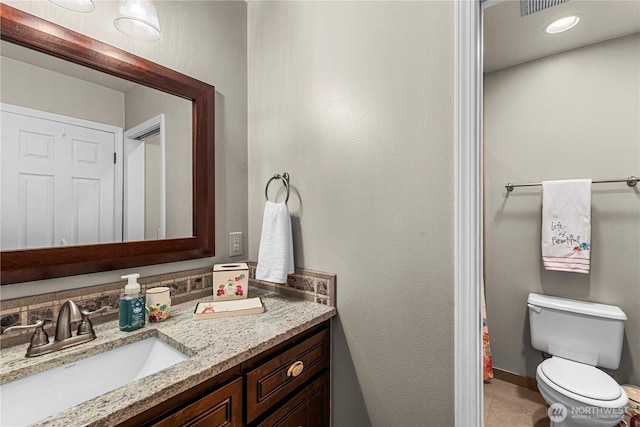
<point x="527" y="7"/>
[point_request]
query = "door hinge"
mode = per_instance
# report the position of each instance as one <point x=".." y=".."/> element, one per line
<point x="114" y="158"/>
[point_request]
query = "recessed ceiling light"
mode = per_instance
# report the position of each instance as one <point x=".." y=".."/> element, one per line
<point x="562" y="24"/>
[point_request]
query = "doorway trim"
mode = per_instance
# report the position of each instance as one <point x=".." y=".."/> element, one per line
<point x="134" y="178"/>
<point x="468" y="214"/>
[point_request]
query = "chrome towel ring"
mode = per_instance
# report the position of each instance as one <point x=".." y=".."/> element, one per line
<point x="285" y="179"/>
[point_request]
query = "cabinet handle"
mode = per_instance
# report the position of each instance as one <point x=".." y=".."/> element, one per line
<point x="295" y="369"/>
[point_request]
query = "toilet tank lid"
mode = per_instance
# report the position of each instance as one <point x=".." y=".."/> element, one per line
<point x="575" y="306"/>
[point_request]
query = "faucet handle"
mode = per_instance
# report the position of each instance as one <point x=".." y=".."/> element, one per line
<point x="39" y="336"/>
<point x="86" y="327"/>
<point x="100" y="310"/>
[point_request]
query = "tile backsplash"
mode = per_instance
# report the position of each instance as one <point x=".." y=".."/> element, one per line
<point x="306" y="284"/>
<point x="185" y="285"/>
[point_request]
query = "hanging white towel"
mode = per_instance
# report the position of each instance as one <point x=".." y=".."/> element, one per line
<point x="566" y="225"/>
<point x="275" y="255"/>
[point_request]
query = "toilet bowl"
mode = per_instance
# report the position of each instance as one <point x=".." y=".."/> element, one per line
<point x="588" y="396"/>
<point x="579" y="335"/>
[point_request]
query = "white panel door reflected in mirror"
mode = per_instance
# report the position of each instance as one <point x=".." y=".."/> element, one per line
<point x="60" y="185"/>
<point x="88" y="209"/>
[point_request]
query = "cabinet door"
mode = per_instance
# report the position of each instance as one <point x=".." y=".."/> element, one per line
<point x="222" y="407"/>
<point x="278" y="377"/>
<point x="309" y="408"/>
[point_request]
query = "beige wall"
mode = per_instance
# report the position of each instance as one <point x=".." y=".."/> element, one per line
<point x="143" y="103"/>
<point x="203" y="39"/>
<point x="355" y="101"/>
<point x="573" y="115"/>
<point x="33" y="87"/>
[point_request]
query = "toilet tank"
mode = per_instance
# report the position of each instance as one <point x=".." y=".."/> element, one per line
<point x="582" y="331"/>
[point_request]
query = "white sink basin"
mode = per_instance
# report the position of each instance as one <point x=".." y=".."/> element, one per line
<point x="38" y="396"/>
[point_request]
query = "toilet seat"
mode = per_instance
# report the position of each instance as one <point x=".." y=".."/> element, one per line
<point x="585" y="380"/>
<point x="583" y="383"/>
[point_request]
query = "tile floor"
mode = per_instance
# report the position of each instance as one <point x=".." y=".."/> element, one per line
<point x="509" y="405"/>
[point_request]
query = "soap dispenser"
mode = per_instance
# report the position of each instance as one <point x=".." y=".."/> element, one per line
<point x="132" y="307"/>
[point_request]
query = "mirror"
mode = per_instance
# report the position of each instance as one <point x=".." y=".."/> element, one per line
<point x="75" y="141"/>
<point x="28" y="31"/>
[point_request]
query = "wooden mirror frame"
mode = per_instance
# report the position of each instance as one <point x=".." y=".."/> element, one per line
<point x="26" y="265"/>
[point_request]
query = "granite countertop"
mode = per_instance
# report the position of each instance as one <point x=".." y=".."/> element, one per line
<point x="211" y="352"/>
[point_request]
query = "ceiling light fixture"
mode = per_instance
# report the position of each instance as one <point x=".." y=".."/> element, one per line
<point x="562" y="24"/>
<point x="83" y="6"/>
<point x="138" y="19"/>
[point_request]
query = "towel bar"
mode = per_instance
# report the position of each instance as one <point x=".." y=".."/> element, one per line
<point x="631" y="182"/>
<point x="285" y="179"/>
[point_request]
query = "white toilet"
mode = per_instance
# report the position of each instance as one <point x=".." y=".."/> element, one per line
<point x="579" y="336"/>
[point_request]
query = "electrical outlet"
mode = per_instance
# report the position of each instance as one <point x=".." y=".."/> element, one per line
<point x="235" y="243"/>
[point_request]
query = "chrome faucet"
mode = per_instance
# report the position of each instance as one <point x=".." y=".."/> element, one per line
<point x="69" y="314"/>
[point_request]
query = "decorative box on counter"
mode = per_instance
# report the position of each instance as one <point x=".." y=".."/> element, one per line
<point x="230" y="281"/>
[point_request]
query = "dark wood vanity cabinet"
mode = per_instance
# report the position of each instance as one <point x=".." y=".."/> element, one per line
<point x="274" y="379"/>
<point x="287" y="385"/>
<point x="222" y="407"/>
<point x="308" y="408"/>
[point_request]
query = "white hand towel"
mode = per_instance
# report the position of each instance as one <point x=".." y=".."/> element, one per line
<point x="275" y="255"/>
<point x="566" y="225"/>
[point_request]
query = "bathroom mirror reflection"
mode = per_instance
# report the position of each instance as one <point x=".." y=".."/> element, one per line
<point x="88" y="157"/>
<point x="24" y="265"/>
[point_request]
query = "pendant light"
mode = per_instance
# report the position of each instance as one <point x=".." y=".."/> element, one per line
<point x="138" y="19"/>
<point x="84" y="6"/>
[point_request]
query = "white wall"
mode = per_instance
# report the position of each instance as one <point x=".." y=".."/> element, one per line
<point x="203" y="39"/>
<point x="572" y="115"/>
<point x="33" y="87"/>
<point x="355" y="101"/>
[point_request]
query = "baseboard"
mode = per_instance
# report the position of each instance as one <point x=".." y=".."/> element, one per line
<point x="513" y="378"/>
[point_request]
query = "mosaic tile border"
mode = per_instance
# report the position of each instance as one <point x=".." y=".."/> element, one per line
<point x="185" y="286"/>
<point x="306" y="284"/>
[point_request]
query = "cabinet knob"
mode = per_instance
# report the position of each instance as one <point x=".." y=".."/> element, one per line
<point x="295" y="369"/>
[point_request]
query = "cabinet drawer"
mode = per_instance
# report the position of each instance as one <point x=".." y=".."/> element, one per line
<point x="277" y="377"/>
<point x="309" y="408"/>
<point x="222" y="407"/>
